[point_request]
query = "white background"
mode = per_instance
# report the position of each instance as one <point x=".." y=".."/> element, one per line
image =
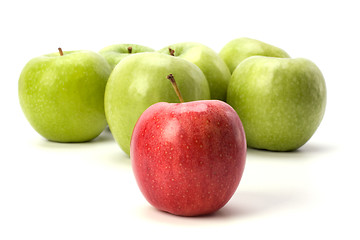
<point x="87" y="191"/>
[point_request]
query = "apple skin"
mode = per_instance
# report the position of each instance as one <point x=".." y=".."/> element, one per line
<point x="62" y="97"/>
<point x="235" y="51"/>
<point x="210" y="63"/>
<point x="281" y="101"/>
<point x="188" y="158"/>
<point x="117" y="52"/>
<point x="139" y="81"/>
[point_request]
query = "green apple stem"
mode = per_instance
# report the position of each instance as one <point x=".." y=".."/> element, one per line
<point x="173" y="83"/>
<point x="61" y="52"/>
<point x="130" y="49"/>
<point x="172" y="52"/>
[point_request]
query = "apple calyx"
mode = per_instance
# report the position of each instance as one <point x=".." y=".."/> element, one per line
<point x="172" y="52"/>
<point x="173" y="83"/>
<point x="61" y="51"/>
<point x="130" y="49"/>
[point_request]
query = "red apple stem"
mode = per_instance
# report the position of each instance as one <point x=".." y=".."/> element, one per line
<point x="130" y="49"/>
<point x="61" y="51"/>
<point x="172" y="52"/>
<point x="173" y="83"/>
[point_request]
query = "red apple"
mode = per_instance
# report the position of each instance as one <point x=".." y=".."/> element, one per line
<point x="188" y="158"/>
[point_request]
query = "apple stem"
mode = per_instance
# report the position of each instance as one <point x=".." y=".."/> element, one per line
<point x="130" y="49"/>
<point x="60" y="51"/>
<point x="172" y="52"/>
<point x="173" y="83"/>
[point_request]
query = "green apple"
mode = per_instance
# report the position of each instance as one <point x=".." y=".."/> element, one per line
<point x="139" y="81"/>
<point x="280" y="101"/>
<point x="62" y="95"/>
<point x="213" y="67"/>
<point x="117" y="52"/>
<point x="235" y="51"/>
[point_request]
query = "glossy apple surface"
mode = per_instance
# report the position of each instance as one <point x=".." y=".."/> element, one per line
<point x="139" y="81"/>
<point x="235" y="51"/>
<point x="63" y="96"/>
<point x="188" y="158"/>
<point x="117" y="52"/>
<point x="210" y="63"/>
<point x="280" y="101"/>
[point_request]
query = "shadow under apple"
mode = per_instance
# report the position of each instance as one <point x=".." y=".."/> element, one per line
<point x="103" y="138"/>
<point x="304" y="153"/>
<point x="243" y="205"/>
